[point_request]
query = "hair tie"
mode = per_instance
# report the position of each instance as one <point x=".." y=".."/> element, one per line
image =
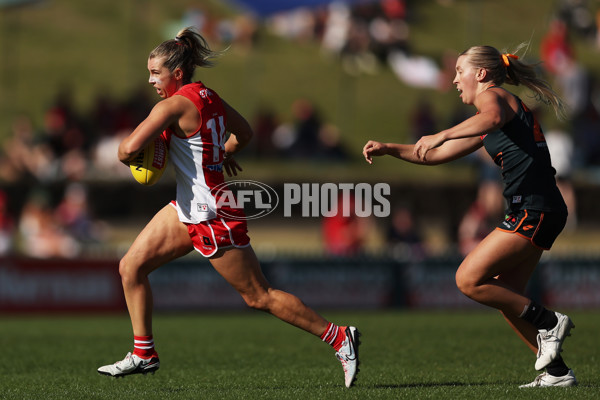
<point x="505" y="58"/>
<point x="177" y="41"/>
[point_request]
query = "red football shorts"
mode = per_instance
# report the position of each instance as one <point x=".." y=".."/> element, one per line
<point x="218" y="233"/>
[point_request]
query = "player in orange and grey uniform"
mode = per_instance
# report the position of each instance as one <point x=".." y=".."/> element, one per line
<point x="536" y="209"/>
<point x="496" y="272"/>
<point x="194" y="120"/>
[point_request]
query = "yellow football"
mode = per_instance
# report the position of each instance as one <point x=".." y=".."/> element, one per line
<point x="149" y="165"/>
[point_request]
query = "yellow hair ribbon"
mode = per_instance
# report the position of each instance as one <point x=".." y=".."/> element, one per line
<point x="505" y="58"/>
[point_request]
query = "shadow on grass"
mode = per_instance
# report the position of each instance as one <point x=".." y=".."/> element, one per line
<point x="457" y="384"/>
<point x="423" y="385"/>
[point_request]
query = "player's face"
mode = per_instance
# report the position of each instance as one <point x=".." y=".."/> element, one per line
<point x="161" y="78"/>
<point x="465" y="79"/>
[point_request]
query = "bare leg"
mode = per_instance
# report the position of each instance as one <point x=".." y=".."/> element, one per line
<point x="517" y="278"/>
<point x="240" y="267"/>
<point x="496" y="273"/>
<point x="164" y="239"/>
<point x="498" y="253"/>
<point x="524" y="330"/>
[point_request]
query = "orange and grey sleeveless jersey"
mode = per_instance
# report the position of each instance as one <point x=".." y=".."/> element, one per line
<point x="198" y="159"/>
<point x="520" y="149"/>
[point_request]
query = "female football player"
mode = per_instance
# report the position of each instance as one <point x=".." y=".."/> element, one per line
<point x="496" y="272"/>
<point x="194" y="121"/>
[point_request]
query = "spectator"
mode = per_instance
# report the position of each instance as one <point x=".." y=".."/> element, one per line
<point x="344" y="235"/>
<point x="578" y="17"/>
<point x="41" y="235"/>
<point x="422" y="119"/>
<point x="556" y="46"/>
<point x="336" y="28"/>
<point x="103" y="155"/>
<point x="357" y="57"/>
<point x="64" y="135"/>
<point x="7" y="227"/>
<point x="24" y="156"/>
<point x="264" y="125"/>
<point x="394" y="9"/>
<point x="402" y="235"/>
<point x="598" y="29"/>
<point x="62" y="130"/>
<point x="74" y="215"/>
<point x="573" y="81"/>
<point x="329" y="146"/>
<point x="307" y="123"/>
<point x="561" y="147"/>
<point x="482" y="216"/>
<point x="585" y="134"/>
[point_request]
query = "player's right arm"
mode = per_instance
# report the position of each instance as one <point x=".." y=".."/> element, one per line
<point x="448" y="151"/>
<point x="164" y="114"/>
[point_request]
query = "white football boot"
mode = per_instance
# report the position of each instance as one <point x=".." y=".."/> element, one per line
<point x="348" y="355"/>
<point x="547" y="380"/>
<point x="550" y="341"/>
<point x="130" y="365"/>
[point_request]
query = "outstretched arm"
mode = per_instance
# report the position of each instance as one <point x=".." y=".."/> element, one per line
<point x="492" y="115"/>
<point x="448" y="151"/>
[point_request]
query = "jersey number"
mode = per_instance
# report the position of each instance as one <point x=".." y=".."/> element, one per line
<point x="217" y="130"/>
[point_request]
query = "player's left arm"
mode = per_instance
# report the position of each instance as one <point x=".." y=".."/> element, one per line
<point x="165" y="113"/>
<point x="491" y="116"/>
<point x="240" y="134"/>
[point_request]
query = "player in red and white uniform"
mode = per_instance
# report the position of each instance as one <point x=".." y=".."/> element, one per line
<point x="194" y="120"/>
<point x="198" y="161"/>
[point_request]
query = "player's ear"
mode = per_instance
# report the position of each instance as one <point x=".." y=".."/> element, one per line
<point x="481" y="74"/>
<point x="178" y="74"/>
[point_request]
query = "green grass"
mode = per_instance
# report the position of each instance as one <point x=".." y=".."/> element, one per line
<point x="404" y="355"/>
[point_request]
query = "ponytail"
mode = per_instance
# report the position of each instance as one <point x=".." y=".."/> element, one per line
<point x="506" y="67"/>
<point x="187" y="51"/>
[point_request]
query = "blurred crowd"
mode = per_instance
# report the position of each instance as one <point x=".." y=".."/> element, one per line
<point x="55" y="162"/>
<point x="366" y="37"/>
<point x="74" y="149"/>
<point x="46" y="229"/>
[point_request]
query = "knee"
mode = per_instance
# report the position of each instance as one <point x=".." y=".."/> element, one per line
<point x="128" y="271"/>
<point x="466" y="284"/>
<point x="258" y="301"/>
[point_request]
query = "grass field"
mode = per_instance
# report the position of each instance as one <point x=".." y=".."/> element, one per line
<point x="404" y="355"/>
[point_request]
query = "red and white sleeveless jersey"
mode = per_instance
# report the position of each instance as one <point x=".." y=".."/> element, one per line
<point x="198" y="159"/>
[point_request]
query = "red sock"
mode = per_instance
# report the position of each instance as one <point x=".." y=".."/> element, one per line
<point x="334" y="335"/>
<point x="143" y="346"/>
